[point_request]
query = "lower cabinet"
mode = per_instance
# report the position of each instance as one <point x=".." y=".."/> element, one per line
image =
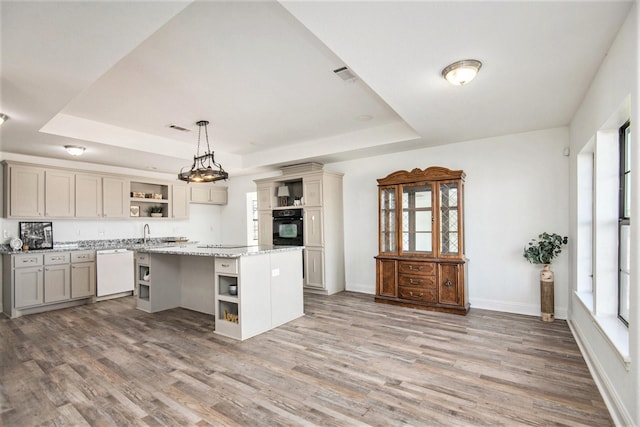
<point x="314" y="268"/>
<point x="38" y="282"/>
<point x="433" y="285"/>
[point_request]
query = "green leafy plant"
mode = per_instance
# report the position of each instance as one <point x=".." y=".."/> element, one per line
<point x="544" y="249"/>
<point x="155" y="209"/>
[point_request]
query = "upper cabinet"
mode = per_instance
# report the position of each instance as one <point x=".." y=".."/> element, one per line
<point x="35" y="192"/>
<point x="23" y="191"/>
<point x="208" y="194"/>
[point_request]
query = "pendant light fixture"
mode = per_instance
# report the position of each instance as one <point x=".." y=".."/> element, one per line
<point x="462" y="72"/>
<point x="204" y="167"/>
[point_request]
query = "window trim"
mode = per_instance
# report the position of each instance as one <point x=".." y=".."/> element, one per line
<point x="624" y="131"/>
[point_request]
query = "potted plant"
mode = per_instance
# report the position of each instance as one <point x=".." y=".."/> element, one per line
<point x="156" y="211"/>
<point x="542" y="251"/>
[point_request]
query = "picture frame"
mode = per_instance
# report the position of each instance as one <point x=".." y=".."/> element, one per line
<point x="134" y="211"/>
<point x="36" y="235"/>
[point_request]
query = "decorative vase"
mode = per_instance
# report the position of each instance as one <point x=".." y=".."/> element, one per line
<point x="546" y="294"/>
<point x="233" y="289"/>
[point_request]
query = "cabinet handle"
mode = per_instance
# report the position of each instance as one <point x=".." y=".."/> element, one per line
<point x="414" y="268"/>
<point x="415" y="282"/>
<point x="448" y="283"/>
<point x="225" y="265"/>
<point x="412" y="295"/>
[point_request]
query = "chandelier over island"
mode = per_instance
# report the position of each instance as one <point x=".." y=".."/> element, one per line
<point x="204" y="167"/>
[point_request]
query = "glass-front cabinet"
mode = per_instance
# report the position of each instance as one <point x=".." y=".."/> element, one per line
<point x="421" y="260"/>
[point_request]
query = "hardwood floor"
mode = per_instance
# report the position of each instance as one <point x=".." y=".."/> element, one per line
<point x="348" y="362"/>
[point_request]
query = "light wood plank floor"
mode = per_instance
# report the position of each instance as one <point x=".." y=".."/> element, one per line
<point x="348" y="362"/>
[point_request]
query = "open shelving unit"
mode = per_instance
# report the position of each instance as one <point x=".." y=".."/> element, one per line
<point x="154" y="195"/>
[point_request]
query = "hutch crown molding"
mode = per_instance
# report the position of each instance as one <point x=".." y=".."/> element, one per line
<point x="421" y="262"/>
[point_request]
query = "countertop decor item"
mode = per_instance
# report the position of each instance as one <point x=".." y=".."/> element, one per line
<point x="542" y="251"/>
<point x="204" y="167"/>
<point x="37" y="235"/>
<point x="16" y="244"/>
<point x="156" y="211"/>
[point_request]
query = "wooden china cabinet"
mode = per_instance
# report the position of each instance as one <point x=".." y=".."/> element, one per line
<point x="421" y="262"/>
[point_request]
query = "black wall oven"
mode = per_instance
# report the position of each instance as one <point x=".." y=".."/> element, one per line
<point x="287" y="227"/>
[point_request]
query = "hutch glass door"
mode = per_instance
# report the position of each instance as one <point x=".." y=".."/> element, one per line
<point x="417" y="219"/>
<point x="388" y="219"/>
<point x="449" y="221"/>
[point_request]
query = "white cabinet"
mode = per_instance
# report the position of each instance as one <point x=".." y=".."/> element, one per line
<point x="83" y="274"/>
<point x="59" y="193"/>
<point x="313" y="226"/>
<point x="265" y="228"/>
<point x="314" y="268"/>
<point x="161" y="270"/>
<point x="323" y="234"/>
<point x="24" y="191"/>
<point x="36" y="282"/>
<point x="88" y="196"/>
<point x="208" y="194"/>
<point x="265" y="194"/>
<point x="57" y="277"/>
<point x="115" y="197"/>
<point x="179" y="201"/>
<point x="312" y="191"/>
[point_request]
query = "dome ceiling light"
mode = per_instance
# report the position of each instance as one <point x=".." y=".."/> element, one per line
<point x="74" y="150"/>
<point x="204" y="167"/>
<point x="461" y="72"/>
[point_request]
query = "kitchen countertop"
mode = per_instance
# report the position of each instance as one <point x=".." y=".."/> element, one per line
<point x="221" y="251"/>
<point x="97" y="245"/>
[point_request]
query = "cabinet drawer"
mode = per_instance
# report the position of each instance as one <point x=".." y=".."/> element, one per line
<point x="56" y="258"/>
<point x="83" y="256"/>
<point x="426" y="268"/>
<point x="417" y="281"/>
<point x="417" y="294"/>
<point x="27" y="260"/>
<point x="142" y="258"/>
<point x="226" y="265"/>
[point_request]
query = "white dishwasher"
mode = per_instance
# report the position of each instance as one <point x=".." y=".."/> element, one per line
<point x="115" y="272"/>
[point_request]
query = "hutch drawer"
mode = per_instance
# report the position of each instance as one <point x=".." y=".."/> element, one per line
<point x="417" y="294"/>
<point x="418" y="281"/>
<point x="416" y="267"/>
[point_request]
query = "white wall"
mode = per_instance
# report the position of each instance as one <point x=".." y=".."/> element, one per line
<point x="611" y="99"/>
<point x="516" y="188"/>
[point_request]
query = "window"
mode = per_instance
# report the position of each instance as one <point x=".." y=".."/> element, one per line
<point x="624" y="219"/>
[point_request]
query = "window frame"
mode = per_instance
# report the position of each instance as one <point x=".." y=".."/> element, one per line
<point x="623" y="221"/>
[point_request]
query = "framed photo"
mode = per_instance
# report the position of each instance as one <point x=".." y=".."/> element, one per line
<point x="135" y="210"/>
<point x="37" y="235"/>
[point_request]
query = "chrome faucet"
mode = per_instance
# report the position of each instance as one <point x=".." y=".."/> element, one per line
<point x="146" y="233"/>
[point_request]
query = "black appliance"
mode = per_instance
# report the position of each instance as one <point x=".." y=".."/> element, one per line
<point x="287" y="227"/>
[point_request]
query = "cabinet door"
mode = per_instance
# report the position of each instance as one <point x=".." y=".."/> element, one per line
<point x="88" y="196"/>
<point x="265" y="228"/>
<point x="449" y="291"/>
<point x="29" y="286"/>
<point x="199" y="194"/>
<point x="313" y="227"/>
<point x="179" y="201"/>
<point x="57" y="283"/>
<point x="312" y="191"/>
<point x="450" y="220"/>
<point x="218" y="195"/>
<point x="314" y="268"/>
<point x="387" y="277"/>
<point x="388" y="225"/>
<point x="83" y="279"/>
<point x="59" y="194"/>
<point x="26" y="191"/>
<point x="265" y="192"/>
<point x="115" y="197"/>
<point x="417" y="221"/>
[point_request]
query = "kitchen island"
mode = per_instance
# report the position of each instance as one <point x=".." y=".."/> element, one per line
<point x="249" y="289"/>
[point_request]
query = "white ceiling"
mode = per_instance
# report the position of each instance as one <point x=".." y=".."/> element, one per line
<point x="112" y="76"/>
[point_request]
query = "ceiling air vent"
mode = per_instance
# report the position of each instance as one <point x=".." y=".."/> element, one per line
<point x="345" y="74"/>
<point x="180" y="128"/>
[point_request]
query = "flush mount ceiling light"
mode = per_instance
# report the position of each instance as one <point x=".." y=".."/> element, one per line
<point x="204" y="167"/>
<point x="461" y="72"/>
<point x="74" y="150"/>
<point x="3" y="118"/>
